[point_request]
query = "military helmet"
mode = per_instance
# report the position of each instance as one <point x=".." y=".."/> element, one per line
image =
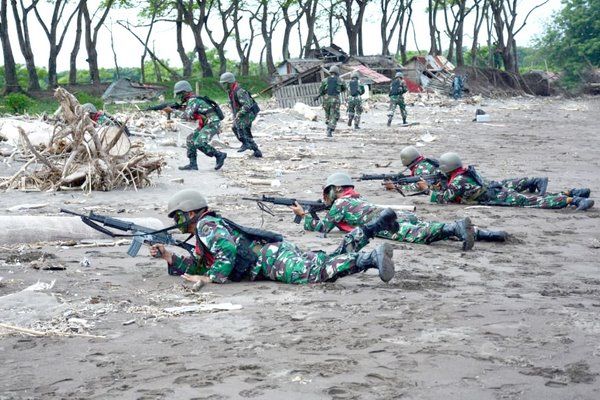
<point x="182" y="87"/>
<point x="186" y="200"/>
<point x="334" y="70"/>
<point x="227" y="77"/>
<point x="89" y="107"/>
<point x="354" y="75"/>
<point x="408" y="155"/>
<point x="449" y="162"/>
<point x="399" y="75"/>
<point x="338" y="179"/>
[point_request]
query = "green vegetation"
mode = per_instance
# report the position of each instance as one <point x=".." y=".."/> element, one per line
<point x="17" y="103"/>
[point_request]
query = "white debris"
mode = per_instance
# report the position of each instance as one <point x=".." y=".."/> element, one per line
<point x="40" y="286"/>
<point x="20" y="207"/>
<point x="203" y="307"/>
<point x="305" y="111"/>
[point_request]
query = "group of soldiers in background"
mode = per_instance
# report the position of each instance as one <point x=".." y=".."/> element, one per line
<point x="333" y="86"/>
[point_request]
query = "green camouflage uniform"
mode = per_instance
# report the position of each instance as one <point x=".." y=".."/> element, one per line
<point x="422" y="167"/>
<point x="355" y="107"/>
<point x="349" y="212"/>
<point x="244" y="110"/>
<point x="103" y="119"/>
<point x="464" y="189"/>
<point x="198" y="109"/>
<point x="331" y="100"/>
<point x="279" y="261"/>
<point x="397" y="100"/>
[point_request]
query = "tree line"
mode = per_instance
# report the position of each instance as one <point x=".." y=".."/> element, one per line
<point x="311" y="24"/>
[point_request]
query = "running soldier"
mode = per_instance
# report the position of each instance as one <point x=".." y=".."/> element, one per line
<point x="197" y="108"/>
<point x="397" y="90"/>
<point x="356" y="89"/>
<point x="330" y="90"/>
<point x="226" y="251"/>
<point x="244" y="110"/>
<point x="466" y="186"/>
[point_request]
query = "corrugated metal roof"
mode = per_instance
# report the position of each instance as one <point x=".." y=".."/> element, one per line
<point x="366" y="72"/>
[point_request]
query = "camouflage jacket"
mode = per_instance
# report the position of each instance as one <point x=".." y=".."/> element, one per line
<point x="346" y="212"/>
<point x="360" y="89"/>
<point x="341" y="86"/>
<point x="421" y="167"/>
<point x="241" y="102"/>
<point x="216" y="250"/>
<point x="103" y="119"/>
<point x="460" y="188"/>
<point x="402" y="89"/>
<point x="199" y="110"/>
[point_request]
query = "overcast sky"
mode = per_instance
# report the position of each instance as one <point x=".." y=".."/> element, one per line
<point x="129" y="50"/>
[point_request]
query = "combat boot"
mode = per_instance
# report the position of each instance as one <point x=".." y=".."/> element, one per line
<point x="329" y="132"/>
<point x="244" y="147"/>
<point x="386" y="221"/>
<point x="380" y="258"/>
<point x="539" y="184"/>
<point x="490" y="236"/>
<point x="389" y="123"/>
<point x="350" y="120"/>
<point x="356" y="123"/>
<point x="462" y="229"/>
<point x="193" y="165"/>
<point x="254" y="147"/>
<point x="579" y="192"/>
<point x="403" y="121"/>
<point x="582" y="203"/>
<point x="220" y="156"/>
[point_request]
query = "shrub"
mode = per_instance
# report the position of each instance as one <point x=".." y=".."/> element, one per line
<point x="84" y="97"/>
<point x="17" y="103"/>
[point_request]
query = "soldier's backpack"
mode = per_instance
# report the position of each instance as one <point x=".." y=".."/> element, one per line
<point x="215" y="107"/>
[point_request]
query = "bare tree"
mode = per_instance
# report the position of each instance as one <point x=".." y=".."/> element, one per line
<point x="243" y="46"/>
<point x="505" y="24"/>
<point x="22" y="27"/>
<point x="481" y="12"/>
<point x="10" y="69"/>
<point x="353" y="24"/>
<point x="112" y="46"/>
<point x="55" y="39"/>
<point x="185" y="60"/>
<point x="268" y="22"/>
<point x="286" y="8"/>
<point x="455" y="30"/>
<point x="435" y="47"/>
<point x="310" y="10"/>
<point x="189" y="9"/>
<point x="75" y="51"/>
<point x="91" y="35"/>
<point x="390" y="18"/>
<point x="225" y="15"/>
<point x="403" y="26"/>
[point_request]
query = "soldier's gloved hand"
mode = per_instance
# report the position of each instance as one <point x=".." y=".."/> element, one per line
<point x="298" y="210"/>
<point x="159" y="251"/>
<point x="437" y="186"/>
<point x="422" y="185"/>
<point x="167" y="110"/>
<point x="389" y="185"/>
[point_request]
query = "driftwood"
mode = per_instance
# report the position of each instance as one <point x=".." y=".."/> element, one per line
<point x="79" y="156"/>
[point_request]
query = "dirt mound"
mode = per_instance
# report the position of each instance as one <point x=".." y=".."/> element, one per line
<point x="541" y="83"/>
<point x="491" y="82"/>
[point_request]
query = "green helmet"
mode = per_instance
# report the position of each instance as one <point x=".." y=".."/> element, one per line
<point x="449" y="162"/>
<point x="399" y="75"/>
<point x="186" y="200"/>
<point x="227" y="77"/>
<point x="338" y="179"/>
<point x="354" y="75"/>
<point x="89" y="107"/>
<point x="334" y="70"/>
<point x="408" y="155"/>
<point x="182" y="87"/>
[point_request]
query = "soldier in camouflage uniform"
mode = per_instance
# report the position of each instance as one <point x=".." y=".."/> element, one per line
<point x="466" y="186"/>
<point x="226" y="251"/>
<point x="348" y="211"/>
<point x="209" y="124"/>
<point x="330" y="90"/>
<point x="355" y="108"/>
<point x="397" y="90"/>
<point x="244" y="110"/>
<point x="101" y="118"/>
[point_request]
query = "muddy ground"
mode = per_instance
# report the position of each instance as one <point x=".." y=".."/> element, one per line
<point x="517" y="320"/>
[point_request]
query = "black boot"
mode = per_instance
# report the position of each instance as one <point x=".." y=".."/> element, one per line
<point x="380" y="258"/>
<point x="579" y="192"/>
<point x="193" y="165"/>
<point x="356" y="122"/>
<point x="403" y="121"/>
<point x="462" y="229"/>
<point x="350" y="118"/>
<point x="538" y="184"/>
<point x="244" y="147"/>
<point x="220" y="156"/>
<point x="254" y="147"/>
<point x="389" y="123"/>
<point x="329" y="132"/>
<point x="582" y="203"/>
<point x="490" y="236"/>
<point x="386" y="221"/>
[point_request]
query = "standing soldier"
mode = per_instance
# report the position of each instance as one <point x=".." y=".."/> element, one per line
<point x="397" y="90"/>
<point x="355" y="107"/>
<point x="330" y="89"/>
<point x="245" y="110"/>
<point x="199" y="109"/>
<point x="101" y="118"/>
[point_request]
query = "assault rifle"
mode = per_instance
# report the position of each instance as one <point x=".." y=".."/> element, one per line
<point x="162" y="106"/>
<point x="312" y="207"/>
<point x="399" y="180"/>
<point x="139" y="234"/>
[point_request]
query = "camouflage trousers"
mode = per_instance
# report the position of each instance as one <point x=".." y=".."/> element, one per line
<point x="420" y="232"/>
<point x="397" y="101"/>
<point x="286" y="262"/>
<point x="198" y="140"/>
<point x="355" y="109"/>
<point x="243" y="129"/>
<point x="331" y="105"/>
<point x="512" y="198"/>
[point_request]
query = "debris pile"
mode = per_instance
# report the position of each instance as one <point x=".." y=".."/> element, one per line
<point x="80" y="156"/>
